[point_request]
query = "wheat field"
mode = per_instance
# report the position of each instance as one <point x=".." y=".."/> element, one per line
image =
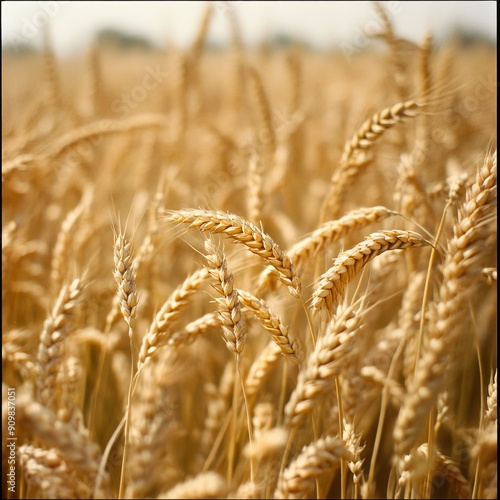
<point x="245" y="273"/>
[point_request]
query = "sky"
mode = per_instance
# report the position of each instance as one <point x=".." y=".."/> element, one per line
<point x="321" y="23"/>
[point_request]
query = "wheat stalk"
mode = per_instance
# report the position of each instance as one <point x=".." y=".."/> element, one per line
<point x="60" y="254"/>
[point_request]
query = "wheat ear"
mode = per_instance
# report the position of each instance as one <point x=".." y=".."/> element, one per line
<point x="459" y="271"/>
<point x="321" y="456"/>
<point x="44" y="424"/>
<point x="451" y="471"/>
<point x="228" y="301"/>
<point x="158" y="333"/>
<point x="281" y="334"/>
<point x="127" y="293"/>
<point x="353" y="158"/>
<point x="331" y="353"/>
<point x="95" y="131"/>
<point x="193" y="330"/>
<point x="255" y="188"/>
<point x="329" y="233"/>
<point x="397" y="60"/>
<point x="266" y="134"/>
<point x="52" y="81"/>
<point x="55" y="330"/>
<point x="332" y="284"/>
<point x="490" y="416"/>
<point x="204" y="485"/>
<point x="353" y="444"/>
<point x="125" y="279"/>
<point x="60" y="254"/>
<point x="47" y="473"/>
<point x="246" y="233"/>
<point x="201" y="35"/>
<point x="93" y="83"/>
<point x="261" y="368"/>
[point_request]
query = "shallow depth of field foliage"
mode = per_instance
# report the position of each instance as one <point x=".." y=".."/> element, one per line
<point x="265" y="273"/>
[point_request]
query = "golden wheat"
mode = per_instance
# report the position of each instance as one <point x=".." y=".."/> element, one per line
<point x="373" y="374"/>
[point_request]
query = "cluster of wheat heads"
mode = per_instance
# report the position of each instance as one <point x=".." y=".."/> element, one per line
<point x="302" y="302"/>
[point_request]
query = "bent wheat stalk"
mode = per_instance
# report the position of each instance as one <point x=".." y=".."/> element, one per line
<point x="328" y="234"/>
<point x="353" y="161"/>
<point x="244" y="232"/>
<point x="332" y="284"/>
